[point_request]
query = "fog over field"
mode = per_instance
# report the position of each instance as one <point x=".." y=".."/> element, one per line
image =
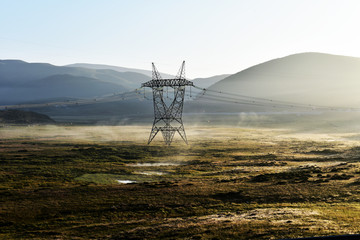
<point x="239" y="182"/>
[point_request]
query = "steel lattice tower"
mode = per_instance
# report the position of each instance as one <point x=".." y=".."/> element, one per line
<point x="168" y="115"/>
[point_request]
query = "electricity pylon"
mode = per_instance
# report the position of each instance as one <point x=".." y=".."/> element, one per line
<point x="168" y="114"/>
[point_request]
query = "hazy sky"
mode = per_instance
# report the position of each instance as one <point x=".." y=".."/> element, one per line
<point x="212" y="36"/>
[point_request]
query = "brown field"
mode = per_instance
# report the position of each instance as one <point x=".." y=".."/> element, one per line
<point x="69" y="182"/>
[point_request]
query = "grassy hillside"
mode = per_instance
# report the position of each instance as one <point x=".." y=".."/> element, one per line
<point x="24" y="117"/>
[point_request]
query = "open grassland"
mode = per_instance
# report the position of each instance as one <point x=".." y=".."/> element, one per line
<point x="105" y="182"/>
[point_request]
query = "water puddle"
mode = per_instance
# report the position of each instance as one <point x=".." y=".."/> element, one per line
<point x="149" y="173"/>
<point x="154" y="164"/>
<point x="125" y="181"/>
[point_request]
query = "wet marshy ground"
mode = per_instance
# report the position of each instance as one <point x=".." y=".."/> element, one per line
<point x="106" y="182"/>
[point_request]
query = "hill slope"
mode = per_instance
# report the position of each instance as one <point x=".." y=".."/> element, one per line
<point x="118" y="69"/>
<point x="309" y="78"/>
<point x="206" y="82"/>
<point x="21" y="81"/>
<point x="24" y="117"/>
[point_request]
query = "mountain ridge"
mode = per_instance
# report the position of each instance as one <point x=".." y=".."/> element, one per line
<point x="206" y="82"/>
<point x="17" y="77"/>
<point x="13" y="116"/>
<point x="117" y="68"/>
<point x="305" y="78"/>
<point x="308" y="78"/>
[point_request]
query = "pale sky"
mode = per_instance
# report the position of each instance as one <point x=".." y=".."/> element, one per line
<point x="212" y="36"/>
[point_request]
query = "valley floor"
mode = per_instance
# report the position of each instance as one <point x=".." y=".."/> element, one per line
<point x="105" y="182"/>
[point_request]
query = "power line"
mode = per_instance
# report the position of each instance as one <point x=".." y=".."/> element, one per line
<point x="244" y="99"/>
<point x="205" y="94"/>
<point x="131" y="95"/>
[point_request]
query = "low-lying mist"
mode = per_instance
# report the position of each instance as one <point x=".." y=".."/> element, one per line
<point x="198" y="127"/>
<point x="296" y="121"/>
<point x="76" y="133"/>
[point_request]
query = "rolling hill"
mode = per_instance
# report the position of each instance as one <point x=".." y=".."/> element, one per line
<point x="206" y="82"/>
<point x="21" y="81"/>
<point x="308" y="78"/>
<point x="23" y="117"/>
<point x="118" y="69"/>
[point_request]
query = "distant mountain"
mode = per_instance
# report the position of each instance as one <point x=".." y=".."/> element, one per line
<point x="21" y="81"/>
<point x="24" y="117"/>
<point x="57" y="86"/>
<point x="100" y="112"/>
<point x="308" y="78"/>
<point x="118" y="69"/>
<point x="206" y="82"/>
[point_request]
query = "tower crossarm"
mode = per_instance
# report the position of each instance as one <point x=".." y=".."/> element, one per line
<point x="167" y="83"/>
